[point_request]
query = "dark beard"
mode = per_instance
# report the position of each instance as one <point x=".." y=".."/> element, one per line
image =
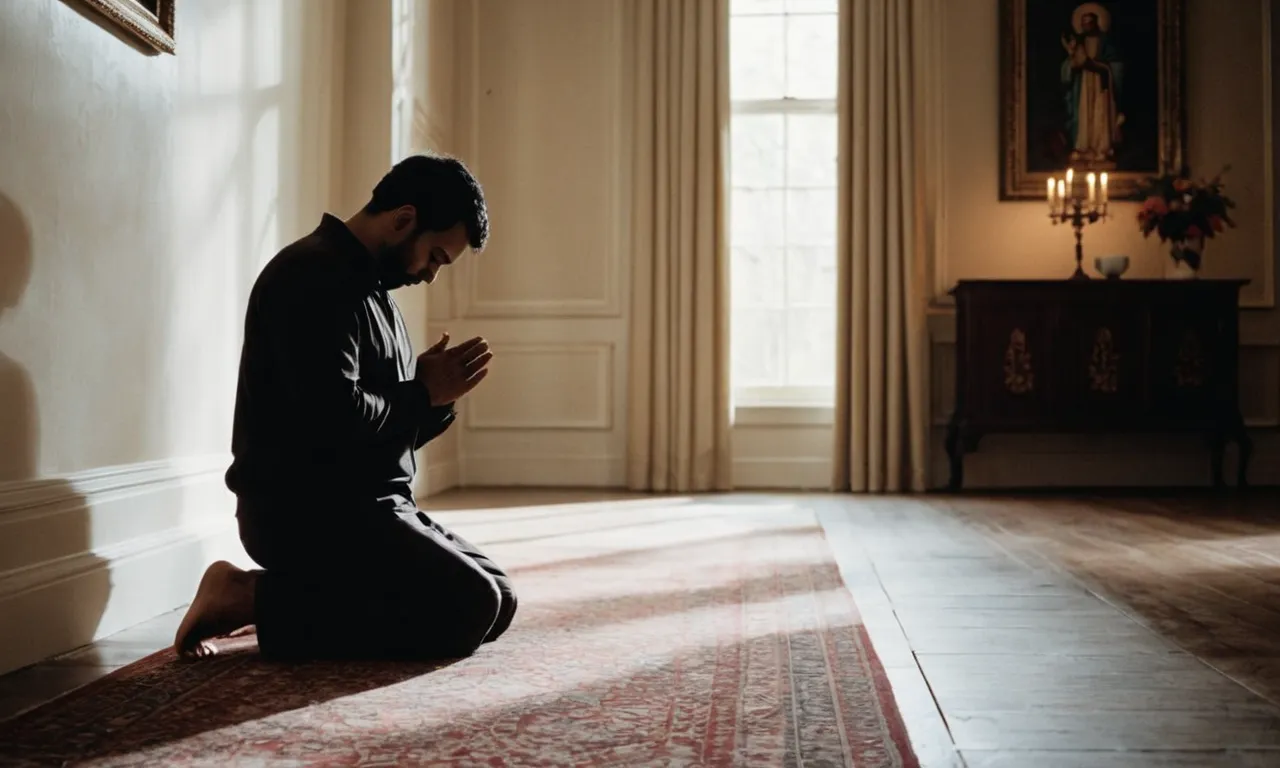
<point x="391" y="271"/>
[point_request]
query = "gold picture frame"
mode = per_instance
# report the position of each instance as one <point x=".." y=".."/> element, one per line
<point x="146" y="22"/>
<point x="1052" y="52"/>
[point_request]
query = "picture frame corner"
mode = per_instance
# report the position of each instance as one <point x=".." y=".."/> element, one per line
<point x="147" y="25"/>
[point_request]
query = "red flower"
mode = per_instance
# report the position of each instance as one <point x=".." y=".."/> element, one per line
<point x="1193" y="232"/>
<point x="1216" y="223"/>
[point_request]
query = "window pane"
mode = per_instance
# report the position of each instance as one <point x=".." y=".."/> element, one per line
<point x="757" y="218"/>
<point x="757" y="347"/>
<point x="811" y="217"/>
<point x="811" y="6"/>
<point x="811" y="150"/>
<point x="757" y="57"/>
<point x="783" y="208"/>
<point x="812" y="61"/>
<point x="810" y="347"/>
<point x="759" y="151"/>
<point x="747" y="7"/>
<point x="811" y="277"/>
<point x="757" y="276"/>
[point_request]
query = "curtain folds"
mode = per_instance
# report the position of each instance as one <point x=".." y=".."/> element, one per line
<point x="887" y="79"/>
<point x="679" y="394"/>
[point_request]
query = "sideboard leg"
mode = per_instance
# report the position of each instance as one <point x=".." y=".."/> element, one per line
<point x="1233" y="430"/>
<point x="955" y="453"/>
<point x="1245" y="443"/>
<point x="1217" y="454"/>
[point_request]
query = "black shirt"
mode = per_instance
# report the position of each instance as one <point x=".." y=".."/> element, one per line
<point x="327" y="408"/>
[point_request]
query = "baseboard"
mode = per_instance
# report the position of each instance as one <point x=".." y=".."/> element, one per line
<point x="85" y="555"/>
<point x="442" y="476"/>
<point x="547" y="471"/>
<point x="806" y="473"/>
<point x="1077" y="461"/>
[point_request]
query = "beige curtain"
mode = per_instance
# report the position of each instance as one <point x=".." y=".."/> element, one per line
<point x="886" y="80"/>
<point x="678" y="432"/>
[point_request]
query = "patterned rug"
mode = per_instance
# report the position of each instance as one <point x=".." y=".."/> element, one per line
<point x="708" y="635"/>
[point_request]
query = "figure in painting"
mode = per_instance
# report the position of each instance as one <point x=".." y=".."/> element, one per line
<point x="1092" y="74"/>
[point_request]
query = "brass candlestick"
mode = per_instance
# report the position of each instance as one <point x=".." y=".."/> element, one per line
<point x="1067" y="207"/>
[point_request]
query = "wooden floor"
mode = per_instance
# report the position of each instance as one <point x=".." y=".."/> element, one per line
<point x="1037" y="631"/>
<point x="1075" y="632"/>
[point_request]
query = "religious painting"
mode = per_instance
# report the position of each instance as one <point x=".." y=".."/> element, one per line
<point x="1095" y="86"/>
<point x="146" y="23"/>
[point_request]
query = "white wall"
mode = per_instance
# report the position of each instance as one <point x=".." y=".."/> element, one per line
<point x="435" y="94"/>
<point x="541" y="118"/>
<point x="139" y="196"/>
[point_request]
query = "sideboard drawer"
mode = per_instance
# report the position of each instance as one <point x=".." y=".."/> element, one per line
<point x="1010" y="363"/>
<point x="1191" y="380"/>
<point x="1102" y="365"/>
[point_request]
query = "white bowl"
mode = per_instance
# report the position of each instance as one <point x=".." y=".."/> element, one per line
<point x="1112" y="266"/>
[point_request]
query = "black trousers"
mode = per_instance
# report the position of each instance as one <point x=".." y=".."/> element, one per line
<point x="371" y="585"/>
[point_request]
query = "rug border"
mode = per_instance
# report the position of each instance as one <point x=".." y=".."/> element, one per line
<point x="895" y="723"/>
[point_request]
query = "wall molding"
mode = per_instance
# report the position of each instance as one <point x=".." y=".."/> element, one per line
<point x="802" y="473"/>
<point x="470" y="304"/>
<point x="543" y="471"/>
<point x="111" y="547"/>
<point x="19" y="580"/>
<point x="442" y="476"/>
<point x="1268" y="300"/>
<point x="51" y="495"/>
<point x="600" y="418"/>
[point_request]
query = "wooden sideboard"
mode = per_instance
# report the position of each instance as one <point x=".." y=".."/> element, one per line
<point x="1097" y="356"/>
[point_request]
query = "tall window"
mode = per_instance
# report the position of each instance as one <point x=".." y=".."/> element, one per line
<point x="784" y="67"/>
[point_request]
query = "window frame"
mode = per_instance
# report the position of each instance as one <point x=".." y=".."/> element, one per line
<point x="817" y="401"/>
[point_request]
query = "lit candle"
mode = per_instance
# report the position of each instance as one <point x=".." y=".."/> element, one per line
<point x="1049" y="192"/>
<point x="1091" y="180"/>
<point x="1062" y="195"/>
<point x="1104" y="189"/>
<point x="1071" y="176"/>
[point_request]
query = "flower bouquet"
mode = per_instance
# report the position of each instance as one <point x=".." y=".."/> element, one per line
<point x="1184" y="212"/>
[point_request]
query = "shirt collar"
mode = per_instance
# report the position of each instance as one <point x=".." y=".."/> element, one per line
<point x="339" y="235"/>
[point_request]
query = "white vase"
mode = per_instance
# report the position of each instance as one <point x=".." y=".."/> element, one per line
<point x="1179" y="268"/>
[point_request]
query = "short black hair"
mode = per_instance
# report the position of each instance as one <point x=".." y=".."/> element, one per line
<point x="442" y="191"/>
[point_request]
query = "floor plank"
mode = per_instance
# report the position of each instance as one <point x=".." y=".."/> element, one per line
<point x="1114" y="759"/>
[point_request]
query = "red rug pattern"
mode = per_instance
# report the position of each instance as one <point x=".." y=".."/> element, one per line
<point x="733" y="643"/>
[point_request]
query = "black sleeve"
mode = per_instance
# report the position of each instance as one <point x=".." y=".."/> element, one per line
<point x="434" y="423"/>
<point x="315" y="344"/>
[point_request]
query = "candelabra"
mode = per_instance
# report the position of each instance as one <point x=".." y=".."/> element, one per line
<point x="1067" y="207"/>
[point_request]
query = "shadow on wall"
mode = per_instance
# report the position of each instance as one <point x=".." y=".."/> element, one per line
<point x="53" y="590"/>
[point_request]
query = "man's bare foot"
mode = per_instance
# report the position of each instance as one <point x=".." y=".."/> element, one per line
<point x="248" y="629"/>
<point x="223" y="604"/>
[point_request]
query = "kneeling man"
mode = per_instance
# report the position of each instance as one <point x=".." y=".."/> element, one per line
<point x="330" y="407"/>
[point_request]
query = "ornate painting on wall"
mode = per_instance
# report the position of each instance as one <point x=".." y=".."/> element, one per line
<point x="146" y="22"/>
<point x="1092" y="86"/>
